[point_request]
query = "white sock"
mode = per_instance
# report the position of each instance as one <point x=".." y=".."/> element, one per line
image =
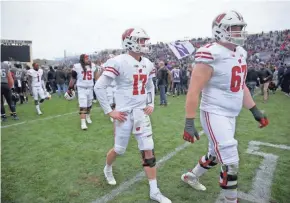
<point x="108" y="167"/>
<point x="198" y="170"/>
<point x="153" y="186"/>
<point x="37" y="108"/>
<point x="88" y="116"/>
<point x="83" y="121"/>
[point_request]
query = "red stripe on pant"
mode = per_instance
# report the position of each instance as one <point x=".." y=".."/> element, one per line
<point x="213" y="137"/>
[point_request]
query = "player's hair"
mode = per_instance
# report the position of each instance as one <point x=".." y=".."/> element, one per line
<point x="82" y="62"/>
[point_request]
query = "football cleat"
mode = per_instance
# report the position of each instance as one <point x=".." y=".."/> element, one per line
<point x="88" y="119"/>
<point x="109" y="176"/>
<point x="84" y="127"/>
<point x="193" y="181"/>
<point x="159" y="197"/>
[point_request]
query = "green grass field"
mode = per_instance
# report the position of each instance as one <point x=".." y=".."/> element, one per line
<point x="52" y="161"/>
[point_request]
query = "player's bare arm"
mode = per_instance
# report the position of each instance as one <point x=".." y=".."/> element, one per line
<point x="201" y="74"/>
<point x="100" y="91"/>
<point x="248" y="101"/>
<point x="72" y="82"/>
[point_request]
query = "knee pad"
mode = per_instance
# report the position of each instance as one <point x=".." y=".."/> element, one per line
<point x="119" y="150"/>
<point x="208" y="161"/>
<point x="35" y="102"/>
<point x="41" y="101"/>
<point x="229" y="177"/>
<point x="83" y="110"/>
<point x="148" y="162"/>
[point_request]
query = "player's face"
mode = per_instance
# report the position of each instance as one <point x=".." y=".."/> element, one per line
<point x="142" y="41"/>
<point x="236" y="30"/>
<point x="86" y="60"/>
<point x="36" y="67"/>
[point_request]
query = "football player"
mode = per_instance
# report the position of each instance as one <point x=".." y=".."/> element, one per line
<point x="24" y="83"/>
<point x="35" y="76"/>
<point x="6" y="85"/>
<point x="220" y="73"/>
<point x="83" y="74"/>
<point x="18" y="75"/>
<point x="134" y="98"/>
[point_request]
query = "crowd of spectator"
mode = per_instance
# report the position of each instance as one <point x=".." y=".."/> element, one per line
<point x="273" y="48"/>
<point x="270" y="50"/>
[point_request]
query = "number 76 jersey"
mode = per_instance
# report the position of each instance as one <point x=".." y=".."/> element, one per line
<point x="223" y="94"/>
<point x="131" y="77"/>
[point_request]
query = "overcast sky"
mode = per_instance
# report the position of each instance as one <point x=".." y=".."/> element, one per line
<point x="91" y="25"/>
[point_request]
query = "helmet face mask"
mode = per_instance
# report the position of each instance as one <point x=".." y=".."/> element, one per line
<point x="237" y="37"/>
<point x="230" y="28"/>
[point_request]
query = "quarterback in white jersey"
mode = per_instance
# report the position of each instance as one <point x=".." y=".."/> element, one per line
<point x="83" y="74"/>
<point x="220" y="73"/>
<point x="35" y="83"/>
<point x="134" y="97"/>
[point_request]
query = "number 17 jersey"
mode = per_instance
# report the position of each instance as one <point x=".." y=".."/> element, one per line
<point x="131" y="77"/>
<point x="224" y="92"/>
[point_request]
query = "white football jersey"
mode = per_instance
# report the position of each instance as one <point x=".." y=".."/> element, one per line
<point x="36" y="77"/>
<point x="85" y="79"/>
<point x="131" y="77"/>
<point x="223" y="94"/>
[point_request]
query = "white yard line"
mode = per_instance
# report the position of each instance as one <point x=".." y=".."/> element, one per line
<point x="125" y="185"/>
<point x="41" y="119"/>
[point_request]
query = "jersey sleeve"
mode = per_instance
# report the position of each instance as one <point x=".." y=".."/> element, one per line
<point x="111" y="68"/>
<point x="204" y="55"/>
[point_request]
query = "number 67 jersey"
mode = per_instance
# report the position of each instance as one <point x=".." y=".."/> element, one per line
<point x="224" y="92"/>
<point x="131" y="77"/>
